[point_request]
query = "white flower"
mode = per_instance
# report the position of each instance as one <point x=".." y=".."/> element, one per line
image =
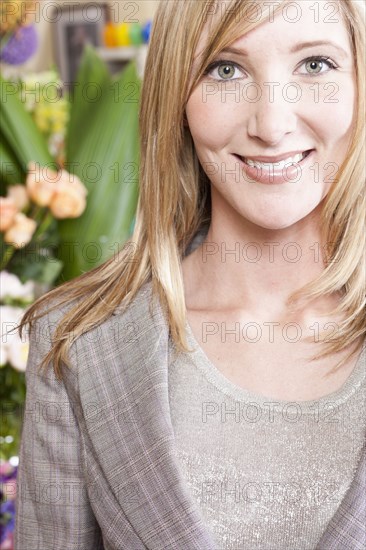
<point x="3" y="355"/>
<point x="14" y="349"/>
<point x="55" y="142"/>
<point x="10" y="318"/>
<point x="11" y="286"/>
<point x="18" y="353"/>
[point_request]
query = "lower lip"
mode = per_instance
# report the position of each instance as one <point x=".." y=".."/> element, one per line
<point x="289" y="174"/>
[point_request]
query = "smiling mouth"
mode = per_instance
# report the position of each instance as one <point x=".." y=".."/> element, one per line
<point x="295" y="159"/>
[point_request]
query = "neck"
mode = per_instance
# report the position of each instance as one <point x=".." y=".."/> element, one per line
<point x="243" y="266"/>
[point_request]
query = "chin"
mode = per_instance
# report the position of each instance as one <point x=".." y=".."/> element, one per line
<point x="277" y="223"/>
<point x="275" y="226"/>
<point x="280" y="218"/>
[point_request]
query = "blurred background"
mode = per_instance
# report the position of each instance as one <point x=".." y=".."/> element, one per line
<point x="70" y="82"/>
<point x="46" y="13"/>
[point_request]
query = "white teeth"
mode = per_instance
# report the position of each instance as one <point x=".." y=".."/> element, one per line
<point x="275" y="165"/>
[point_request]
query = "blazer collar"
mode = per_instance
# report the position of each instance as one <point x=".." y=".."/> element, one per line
<point x="346" y="529"/>
<point x="150" y="465"/>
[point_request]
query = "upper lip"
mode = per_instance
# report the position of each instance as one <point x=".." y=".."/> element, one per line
<point x="276" y="158"/>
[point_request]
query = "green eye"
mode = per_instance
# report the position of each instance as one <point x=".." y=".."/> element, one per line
<point x="314" y="66"/>
<point x="223" y="70"/>
<point x="317" y="64"/>
<point x="226" y="71"/>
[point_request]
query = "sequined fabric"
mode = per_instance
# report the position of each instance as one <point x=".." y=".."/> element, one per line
<point x="267" y="474"/>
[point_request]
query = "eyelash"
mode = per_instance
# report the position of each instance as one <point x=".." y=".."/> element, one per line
<point x="323" y="59"/>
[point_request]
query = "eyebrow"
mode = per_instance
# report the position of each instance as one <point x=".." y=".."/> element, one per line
<point x="304" y="45"/>
<point x="294" y="49"/>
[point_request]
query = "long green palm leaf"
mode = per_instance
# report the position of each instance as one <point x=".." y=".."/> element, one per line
<point x="92" y="83"/>
<point x="20" y="131"/>
<point x="10" y="170"/>
<point x="106" y="160"/>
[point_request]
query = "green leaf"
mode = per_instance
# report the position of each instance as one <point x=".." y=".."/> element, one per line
<point x="38" y="260"/>
<point x="10" y="169"/>
<point x="20" y="131"/>
<point x="12" y="397"/>
<point x="92" y="82"/>
<point x="37" y="264"/>
<point x="106" y="161"/>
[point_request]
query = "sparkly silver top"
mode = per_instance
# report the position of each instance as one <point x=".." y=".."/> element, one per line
<point x="265" y="473"/>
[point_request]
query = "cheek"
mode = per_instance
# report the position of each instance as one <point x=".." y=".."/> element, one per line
<point x="211" y="121"/>
<point x="332" y="110"/>
<point x="345" y="112"/>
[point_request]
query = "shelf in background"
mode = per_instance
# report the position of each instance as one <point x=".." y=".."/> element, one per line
<point x="117" y="58"/>
<point x="118" y="54"/>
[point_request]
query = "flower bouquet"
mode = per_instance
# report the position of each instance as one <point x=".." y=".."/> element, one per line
<point x="29" y="267"/>
<point x="8" y="484"/>
<point x="91" y="133"/>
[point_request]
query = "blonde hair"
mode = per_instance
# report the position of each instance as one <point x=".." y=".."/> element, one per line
<point x="174" y="198"/>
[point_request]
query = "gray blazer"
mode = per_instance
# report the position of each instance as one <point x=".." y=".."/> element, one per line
<point x="97" y="468"/>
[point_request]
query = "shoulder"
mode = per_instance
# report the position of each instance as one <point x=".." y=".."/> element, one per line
<point x="128" y="329"/>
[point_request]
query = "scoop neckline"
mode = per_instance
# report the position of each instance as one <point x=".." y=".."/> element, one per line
<point x="223" y="384"/>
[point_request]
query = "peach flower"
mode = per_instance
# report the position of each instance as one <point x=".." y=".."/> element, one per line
<point x="19" y="194"/>
<point x="41" y="183"/>
<point x="8" y="211"/>
<point x="21" y="231"/>
<point x="69" y="200"/>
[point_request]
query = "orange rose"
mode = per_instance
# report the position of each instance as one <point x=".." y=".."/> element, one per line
<point x="21" y="231"/>
<point x="8" y="211"/>
<point x="19" y="194"/>
<point x="41" y="183"/>
<point x="69" y="200"/>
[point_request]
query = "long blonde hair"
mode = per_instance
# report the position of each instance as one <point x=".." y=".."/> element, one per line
<point x="174" y="198"/>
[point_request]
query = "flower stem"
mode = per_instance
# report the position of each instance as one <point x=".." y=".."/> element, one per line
<point x="9" y="251"/>
<point x="44" y="225"/>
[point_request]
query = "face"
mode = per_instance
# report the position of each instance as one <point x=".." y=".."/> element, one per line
<point x="271" y="121"/>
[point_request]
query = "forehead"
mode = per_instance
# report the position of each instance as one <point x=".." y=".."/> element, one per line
<point x="295" y="22"/>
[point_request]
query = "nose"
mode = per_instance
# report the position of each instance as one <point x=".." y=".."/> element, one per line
<point x="272" y="117"/>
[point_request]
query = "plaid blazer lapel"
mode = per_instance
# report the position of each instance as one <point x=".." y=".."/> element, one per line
<point x="138" y="465"/>
<point x="347" y="529"/>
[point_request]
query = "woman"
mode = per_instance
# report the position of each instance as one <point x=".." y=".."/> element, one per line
<point x="208" y="382"/>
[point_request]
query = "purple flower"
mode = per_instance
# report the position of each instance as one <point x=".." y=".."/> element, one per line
<point x="8" y="475"/>
<point x="20" y="46"/>
<point x="7" y="471"/>
<point x="7" y="511"/>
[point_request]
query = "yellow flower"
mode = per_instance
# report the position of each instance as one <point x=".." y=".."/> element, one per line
<point x="42" y="116"/>
<point x="17" y="13"/>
